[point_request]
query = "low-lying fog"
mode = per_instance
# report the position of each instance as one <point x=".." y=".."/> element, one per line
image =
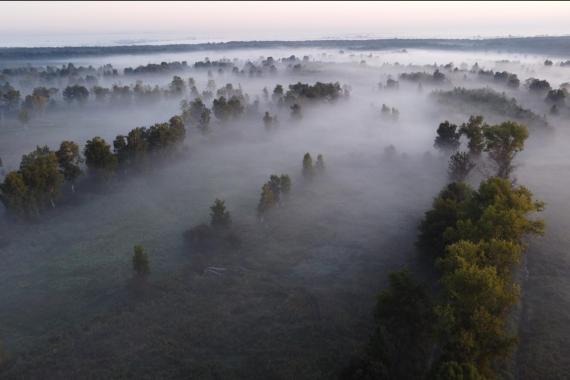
<point x="295" y="299"/>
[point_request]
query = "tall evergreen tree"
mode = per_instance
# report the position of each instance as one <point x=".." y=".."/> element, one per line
<point x="220" y="217"/>
<point x="308" y="169"/>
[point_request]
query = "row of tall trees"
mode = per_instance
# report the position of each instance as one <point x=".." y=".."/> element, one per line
<point x="498" y="144"/>
<point x="473" y="240"/>
<point x="37" y="183"/>
<point x="272" y="193"/>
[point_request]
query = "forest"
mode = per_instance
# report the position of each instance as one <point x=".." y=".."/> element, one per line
<point x="375" y="209"/>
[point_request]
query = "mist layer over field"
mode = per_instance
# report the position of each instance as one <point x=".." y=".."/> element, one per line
<point x="295" y="298"/>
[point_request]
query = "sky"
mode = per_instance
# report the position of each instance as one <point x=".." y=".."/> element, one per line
<point x="29" y="23"/>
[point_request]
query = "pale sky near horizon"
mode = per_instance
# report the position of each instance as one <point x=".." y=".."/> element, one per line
<point x="283" y="20"/>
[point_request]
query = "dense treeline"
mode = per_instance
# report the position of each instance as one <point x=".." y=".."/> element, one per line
<point x="555" y="45"/>
<point x="435" y="78"/>
<point x="503" y="77"/>
<point x="486" y="99"/>
<point x="473" y="241"/>
<point x="153" y="68"/>
<point x="38" y="182"/>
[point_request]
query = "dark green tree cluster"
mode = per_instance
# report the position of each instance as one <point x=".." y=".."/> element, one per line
<point x="177" y="86"/>
<point x="228" y="109"/>
<point x="76" y="93"/>
<point x="278" y="93"/>
<point x="539" y="86"/>
<point x="70" y="161"/>
<point x="501" y="143"/>
<point x="448" y="137"/>
<point x="272" y="192"/>
<point x="319" y="91"/>
<point x="35" y="186"/>
<point x="435" y="78"/>
<point x="137" y="148"/>
<point x="39" y="99"/>
<point x="157" y="68"/>
<point x="502" y="77"/>
<point x="556" y="97"/>
<point x="460" y="165"/>
<point x="9" y="98"/>
<point x="476" y="239"/>
<point x="196" y="113"/>
<point x="220" y="217"/>
<point x="402" y="342"/>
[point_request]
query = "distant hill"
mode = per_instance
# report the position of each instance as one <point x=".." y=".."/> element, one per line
<point x="556" y="46"/>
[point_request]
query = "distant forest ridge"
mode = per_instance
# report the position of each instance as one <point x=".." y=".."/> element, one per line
<point x="557" y="46"/>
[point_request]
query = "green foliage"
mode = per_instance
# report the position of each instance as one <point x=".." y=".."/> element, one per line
<point x="460" y="165"/>
<point x="537" y="85"/>
<point x="477" y="239"/>
<point x="196" y="113"/>
<point x="40" y="171"/>
<point x="473" y="130"/>
<point x="220" y="217"/>
<point x="404" y="326"/>
<point x="275" y="184"/>
<point x="9" y="96"/>
<point x="421" y="77"/>
<point x="177" y="85"/>
<point x="503" y="142"/>
<point x="69" y="160"/>
<point x="319" y="91"/>
<point x="271" y="192"/>
<point x="448" y="207"/>
<point x="76" y="93"/>
<point x="285" y="184"/>
<point x="447" y="139"/>
<point x="230" y="109"/>
<point x="277" y="95"/>
<point x="161" y="139"/>
<point x="556" y="96"/>
<point x="98" y="157"/>
<point x="141" y="264"/>
<point x="120" y="148"/>
<point x="401" y="344"/>
<point x="267" y="199"/>
<point x="15" y="195"/>
<point x="35" y="185"/>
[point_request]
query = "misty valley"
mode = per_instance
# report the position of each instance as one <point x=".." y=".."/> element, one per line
<point x="285" y="212"/>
